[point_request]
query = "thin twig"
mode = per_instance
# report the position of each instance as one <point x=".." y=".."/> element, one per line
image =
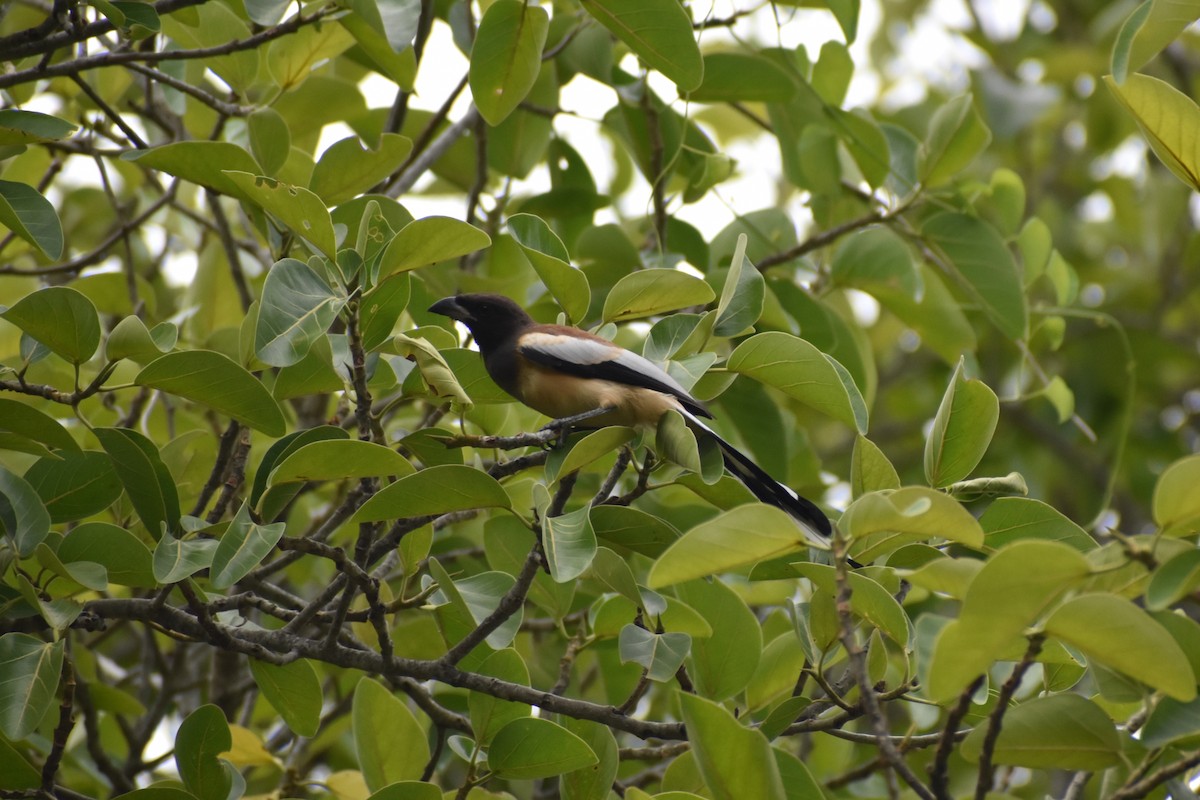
<point x="996" y="718"/>
<point x="939" y="770"/>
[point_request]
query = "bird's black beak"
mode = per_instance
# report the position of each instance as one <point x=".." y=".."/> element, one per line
<point x="450" y="307"/>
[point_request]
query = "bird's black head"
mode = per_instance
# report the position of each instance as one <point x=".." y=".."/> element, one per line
<point x="491" y="318"/>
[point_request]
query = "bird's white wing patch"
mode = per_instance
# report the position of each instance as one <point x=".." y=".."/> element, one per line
<point x="570" y="348"/>
<point x="611" y="362"/>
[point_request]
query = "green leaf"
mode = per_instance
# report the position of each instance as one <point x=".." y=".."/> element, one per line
<point x="481" y="594"/>
<point x="212" y="379"/>
<point x="1063" y="731"/>
<point x="1174" y="580"/>
<point x="594" y="782"/>
<point x="124" y="557"/>
<point x="661" y="654"/>
<point x="435" y="490"/>
<point x="957" y="134"/>
<point x="979" y="255"/>
<point x="338" y="459"/>
<point x="737" y="538"/>
<point x="570" y="544"/>
<point x="21" y="775"/>
<point x="533" y="233"/>
<point x="435" y="371"/>
<point x="29" y="674"/>
<point x="26" y="213"/>
<point x="1169" y="722"/>
<point x="131" y="339"/>
<point x="270" y="139"/>
<point x="1010" y="485"/>
<point x="140" y="19"/>
<point x="390" y="742"/>
<point x="380" y="308"/>
<point x="735" y="761"/>
<point x="384" y="29"/>
<point x="281" y="449"/>
<point x="868" y="599"/>
<point x="506" y="57"/>
<point x="22" y="514"/>
<point x="203" y="163"/>
<point x="937" y="316"/>
<point x="346" y="168"/>
<point x="1147" y="31"/>
<point x="60" y="318"/>
<point x="243" y="546"/>
<point x="846" y="13"/>
<point x="782" y="660"/>
<point x="202" y="737"/>
<point x="614" y="574"/>
<point x="743" y="77"/>
<point x="832" y="73"/>
<point x="866" y="142"/>
<point x="722" y="664"/>
<point x="529" y="748"/>
<point x="870" y="469"/>
<point x="633" y="529"/>
<point x="742" y="296"/>
<point x="291" y="59"/>
<point x="1009" y="519"/>
<point x="659" y="32"/>
<point x="587" y="449"/>
<point x="298" y="209"/>
<point x="297" y="306"/>
<point x="87" y="574"/>
<point x="177" y="559"/>
<point x="489" y="714"/>
<point x="74" y="484"/>
<point x="29" y="127"/>
<point x="1113" y="631"/>
<point x="1169" y="120"/>
<point x="408" y="790"/>
<point x="158" y="792"/>
<point x="293" y="690"/>
<point x="212" y="25"/>
<point x="549" y="258"/>
<point x="654" y="291"/>
<point x="962" y="429"/>
<point x="1176" y="504"/>
<point x="17" y="417"/>
<point x="876" y="258"/>
<point x="676" y="442"/>
<point x="429" y="240"/>
<point x="1015" y="587"/>
<point x="800" y="370"/>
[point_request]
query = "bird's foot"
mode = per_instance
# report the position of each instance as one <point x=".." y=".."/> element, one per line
<point x="561" y="427"/>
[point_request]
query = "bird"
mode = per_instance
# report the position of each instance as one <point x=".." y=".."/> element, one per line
<point x="565" y="372"/>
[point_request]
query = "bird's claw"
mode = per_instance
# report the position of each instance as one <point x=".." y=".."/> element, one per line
<point x="564" y="425"/>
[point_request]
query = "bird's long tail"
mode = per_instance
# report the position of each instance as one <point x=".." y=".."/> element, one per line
<point x="811" y="518"/>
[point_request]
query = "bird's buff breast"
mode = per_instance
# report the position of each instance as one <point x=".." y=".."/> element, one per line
<point x="557" y="396"/>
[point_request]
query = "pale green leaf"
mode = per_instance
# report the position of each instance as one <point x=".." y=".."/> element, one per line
<point x="506" y="57"/>
<point x="435" y="490"/>
<point x="800" y="370"/>
<point x="300" y="211"/>
<point x="26" y="213"/>
<point x="61" y="318"/>
<point x="737" y="538"/>
<point x="389" y="741"/>
<point x="213" y="380"/>
<point x="659" y="32"/>
<point x="962" y="429"/>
